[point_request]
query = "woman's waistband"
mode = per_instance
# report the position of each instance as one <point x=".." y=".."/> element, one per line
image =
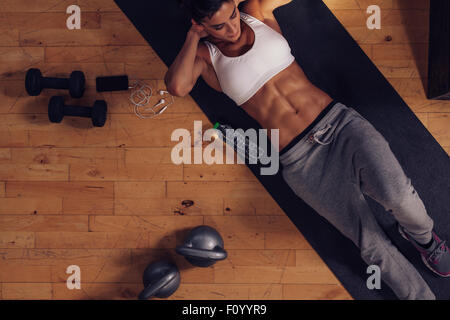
<point x="311" y="126"/>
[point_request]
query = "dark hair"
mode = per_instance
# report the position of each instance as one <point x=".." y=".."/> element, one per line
<point x="200" y="9"/>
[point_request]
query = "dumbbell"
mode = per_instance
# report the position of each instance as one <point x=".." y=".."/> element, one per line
<point x="35" y="82"/>
<point x="57" y="110"/>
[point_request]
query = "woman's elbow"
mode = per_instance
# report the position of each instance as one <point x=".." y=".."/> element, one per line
<point x="177" y="92"/>
<point x="175" y="89"/>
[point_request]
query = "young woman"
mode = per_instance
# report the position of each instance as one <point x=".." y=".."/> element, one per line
<point x="331" y="156"/>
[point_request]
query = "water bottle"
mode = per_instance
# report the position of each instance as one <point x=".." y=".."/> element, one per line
<point x="242" y="145"/>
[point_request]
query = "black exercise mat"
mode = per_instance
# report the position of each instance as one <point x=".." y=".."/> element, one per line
<point x="334" y="62"/>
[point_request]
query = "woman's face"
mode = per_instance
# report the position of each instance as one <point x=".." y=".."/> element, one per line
<point x="225" y="24"/>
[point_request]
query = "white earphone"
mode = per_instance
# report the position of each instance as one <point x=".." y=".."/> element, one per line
<point x="144" y="93"/>
<point x="162" y="101"/>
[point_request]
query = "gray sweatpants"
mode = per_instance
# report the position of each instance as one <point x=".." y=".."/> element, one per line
<point x="343" y="157"/>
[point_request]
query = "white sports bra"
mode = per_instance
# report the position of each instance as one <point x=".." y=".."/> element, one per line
<point x="241" y="77"/>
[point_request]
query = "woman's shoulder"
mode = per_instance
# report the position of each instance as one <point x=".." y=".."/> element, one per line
<point x="203" y="52"/>
<point x="261" y="9"/>
<point x="252" y="8"/>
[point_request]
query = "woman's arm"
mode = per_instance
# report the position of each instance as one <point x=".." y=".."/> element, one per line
<point x="187" y="67"/>
<point x="263" y="11"/>
<point x="267" y="6"/>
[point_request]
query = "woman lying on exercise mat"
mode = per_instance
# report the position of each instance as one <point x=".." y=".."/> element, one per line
<point x="330" y="154"/>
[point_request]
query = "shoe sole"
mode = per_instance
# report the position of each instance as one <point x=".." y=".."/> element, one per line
<point x="402" y="233"/>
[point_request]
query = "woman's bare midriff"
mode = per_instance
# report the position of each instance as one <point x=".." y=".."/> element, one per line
<point x="288" y="102"/>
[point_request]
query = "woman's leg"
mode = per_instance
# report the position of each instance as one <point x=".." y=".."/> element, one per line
<point x="380" y="176"/>
<point x="319" y="169"/>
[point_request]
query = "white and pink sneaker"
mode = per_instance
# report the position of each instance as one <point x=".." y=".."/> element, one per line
<point x="436" y="257"/>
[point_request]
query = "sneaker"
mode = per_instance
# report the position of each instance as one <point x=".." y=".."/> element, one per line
<point x="436" y="258"/>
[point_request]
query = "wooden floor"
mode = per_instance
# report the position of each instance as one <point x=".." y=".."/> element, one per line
<point x="109" y="199"/>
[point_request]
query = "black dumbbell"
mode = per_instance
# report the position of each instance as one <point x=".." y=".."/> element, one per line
<point x="35" y="82"/>
<point x="57" y="110"/>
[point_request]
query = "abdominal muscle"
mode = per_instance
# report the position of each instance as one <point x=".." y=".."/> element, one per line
<point x="288" y="102"/>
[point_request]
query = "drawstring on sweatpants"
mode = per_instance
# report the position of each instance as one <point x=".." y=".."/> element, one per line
<point x="314" y="137"/>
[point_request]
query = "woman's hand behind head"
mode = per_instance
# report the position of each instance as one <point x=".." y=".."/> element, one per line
<point x="199" y="29"/>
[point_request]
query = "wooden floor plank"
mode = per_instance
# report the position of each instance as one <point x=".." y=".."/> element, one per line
<point x="12" y="239"/>
<point x="44" y="223"/>
<point x="168" y="206"/>
<point x="120" y="172"/>
<point x="58" y="5"/>
<point x="157" y="224"/>
<point x="15" y="60"/>
<point x="404" y="18"/>
<point x="27" y="21"/>
<point x="103" y="240"/>
<point x="285" y="240"/>
<point x="227" y="189"/>
<point x="315" y="292"/>
<point x="2" y="189"/>
<point x="218" y="172"/>
<point x="185" y="292"/>
<point x="250" y="223"/>
<point x="31" y="206"/>
<point x="9" y="38"/>
<point x="267" y="274"/>
<point x="27" y="291"/>
<point x="34" y="172"/>
<point x="115" y="30"/>
<point x="91" y="190"/>
<point x="263" y="205"/>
